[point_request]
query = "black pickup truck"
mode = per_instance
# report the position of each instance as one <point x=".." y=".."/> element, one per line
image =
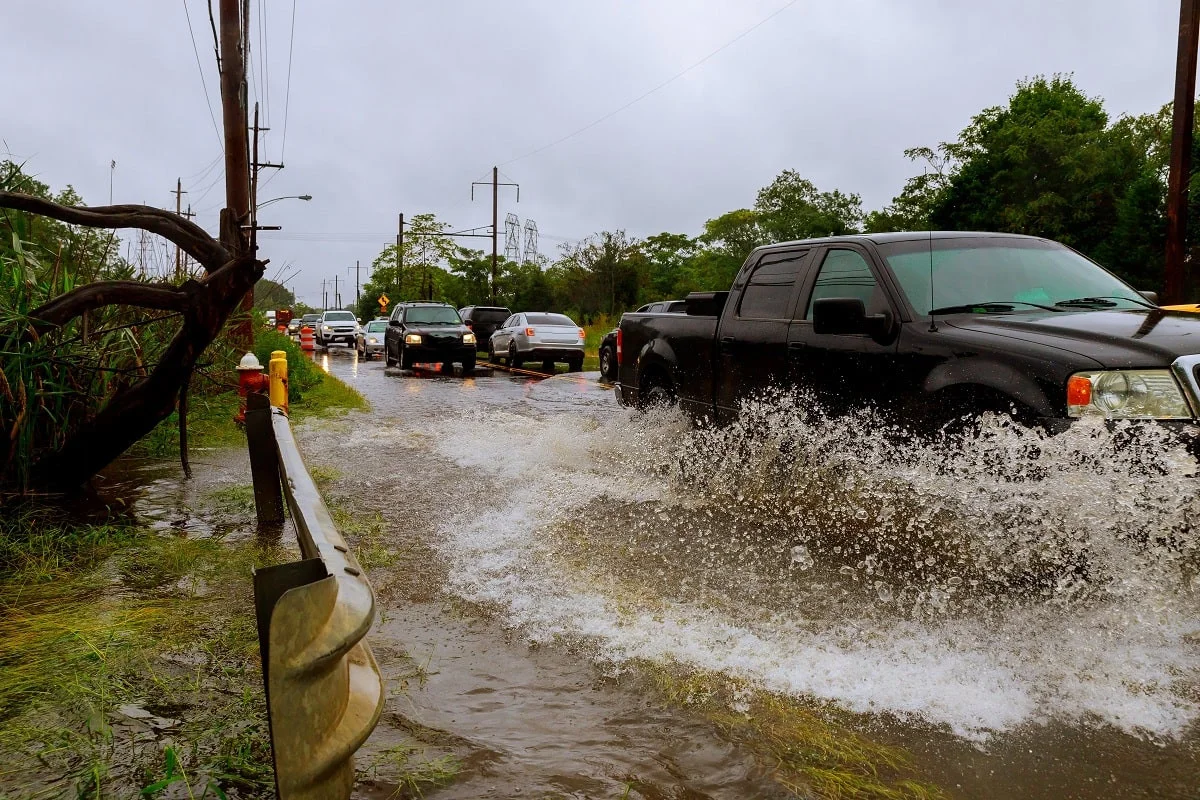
<point x="927" y="326"/>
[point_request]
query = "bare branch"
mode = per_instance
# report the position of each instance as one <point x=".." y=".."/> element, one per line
<point x="159" y="296"/>
<point x="190" y="237"/>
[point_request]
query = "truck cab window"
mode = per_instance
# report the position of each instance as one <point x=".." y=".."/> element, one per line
<point x="845" y="273"/>
<point x="769" y="290"/>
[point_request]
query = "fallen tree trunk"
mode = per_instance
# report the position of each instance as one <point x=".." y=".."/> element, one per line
<point x="205" y="306"/>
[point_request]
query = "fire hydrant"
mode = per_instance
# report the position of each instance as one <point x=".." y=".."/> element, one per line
<point x="251" y="380"/>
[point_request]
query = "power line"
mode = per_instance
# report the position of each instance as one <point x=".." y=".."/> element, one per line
<point x="287" y="95"/>
<point x="662" y="85"/>
<point x="203" y="83"/>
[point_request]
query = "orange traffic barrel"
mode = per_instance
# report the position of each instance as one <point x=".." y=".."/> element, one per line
<point x="306" y="339"/>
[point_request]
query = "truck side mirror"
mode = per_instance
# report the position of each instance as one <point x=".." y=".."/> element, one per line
<point x="839" y="315"/>
<point x="1151" y="296"/>
<point x="848" y="315"/>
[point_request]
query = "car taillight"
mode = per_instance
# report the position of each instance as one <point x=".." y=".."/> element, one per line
<point x="618" y="345"/>
<point x="529" y="332"/>
<point x="582" y="333"/>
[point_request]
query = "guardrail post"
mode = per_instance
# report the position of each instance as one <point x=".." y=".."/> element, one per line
<point x="264" y="460"/>
<point x="323" y="686"/>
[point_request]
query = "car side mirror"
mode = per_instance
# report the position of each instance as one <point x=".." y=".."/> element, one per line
<point x="1151" y="296"/>
<point x="395" y="322"/>
<point x="848" y="315"/>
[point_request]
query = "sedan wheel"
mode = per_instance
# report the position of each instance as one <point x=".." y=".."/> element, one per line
<point x="513" y="359"/>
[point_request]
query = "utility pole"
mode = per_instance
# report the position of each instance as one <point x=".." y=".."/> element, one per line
<point x="179" y="193"/>
<point x="1181" y="149"/>
<point x="237" y="151"/>
<point x="337" y="295"/>
<point x="324" y="297"/>
<point x="400" y="260"/>
<point x="496" y="184"/>
<point x="357" y="287"/>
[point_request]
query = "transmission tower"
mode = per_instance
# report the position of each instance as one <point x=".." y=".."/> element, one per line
<point x="512" y="237"/>
<point x="531" y="242"/>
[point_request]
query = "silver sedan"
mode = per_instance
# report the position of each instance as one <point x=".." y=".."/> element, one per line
<point x="538" y="336"/>
<point x="369" y="339"/>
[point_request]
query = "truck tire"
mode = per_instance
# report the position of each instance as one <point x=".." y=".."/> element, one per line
<point x="468" y="366"/>
<point x="388" y="361"/>
<point x="608" y="363"/>
<point x="406" y="361"/>
<point x="656" y="392"/>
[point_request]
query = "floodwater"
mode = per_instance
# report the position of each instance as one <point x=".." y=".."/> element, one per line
<point x="1019" y="612"/>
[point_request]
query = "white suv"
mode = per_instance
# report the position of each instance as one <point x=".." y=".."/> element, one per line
<point x="336" y="326"/>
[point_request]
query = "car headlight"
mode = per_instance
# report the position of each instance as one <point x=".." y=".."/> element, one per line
<point x="372" y="340"/>
<point x="468" y="338"/>
<point x="412" y="338"/>
<point x="326" y="328"/>
<point x="1126" y="394"/>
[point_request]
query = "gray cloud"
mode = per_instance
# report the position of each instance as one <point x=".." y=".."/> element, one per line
<point x="399" y="106"/>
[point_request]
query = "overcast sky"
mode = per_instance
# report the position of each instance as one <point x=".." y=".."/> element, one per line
<point x="399" y="106"/>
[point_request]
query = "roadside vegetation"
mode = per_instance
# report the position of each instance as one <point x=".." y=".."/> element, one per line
<point x="1050" y="162"/>
<point x="810" y="752"/>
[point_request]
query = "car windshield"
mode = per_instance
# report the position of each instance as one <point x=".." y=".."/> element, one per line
<point x="376" y="327"/>
<point x="549" y="319"/>
<point x="432" y="315"/>
<point x="496" y="315"/>
<point x="310" y="318"/>
<point x="999" y="274"/>
<point x="339" y="316"/>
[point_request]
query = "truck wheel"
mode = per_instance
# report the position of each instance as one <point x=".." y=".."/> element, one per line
<point x="657" y="392"/>
<point x="608" y="363"/>
<point x="468" y="366"/>
<point x="388" y="361"/>
<point x="406" y="361"/>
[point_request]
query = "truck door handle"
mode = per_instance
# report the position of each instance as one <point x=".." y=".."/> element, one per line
<point x="726" y="342"/>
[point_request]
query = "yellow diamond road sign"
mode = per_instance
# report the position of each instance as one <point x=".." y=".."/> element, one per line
<point x="383" y="301"/>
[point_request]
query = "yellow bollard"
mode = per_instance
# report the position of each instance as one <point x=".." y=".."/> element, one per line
<point x="279" y="380"/>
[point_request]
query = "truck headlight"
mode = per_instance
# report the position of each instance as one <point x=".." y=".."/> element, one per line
<point x="468" y="338"/>
<point x="1126" y="394"/>
<point x="412" y="338"/>
<point x="326" y="328"/>
<point x="372" y="340"/>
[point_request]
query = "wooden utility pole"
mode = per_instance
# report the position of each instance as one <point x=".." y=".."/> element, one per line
<point x="237" y="150"/>
<point x="400" y="261"/>
<point x="179" y="193"/>
<point x="496" y="184"/>
<point x="1181" y="149"/>
<point x="495" y="226"/>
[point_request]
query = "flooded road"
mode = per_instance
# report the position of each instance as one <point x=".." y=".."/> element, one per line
<point x="1019" y="614"/>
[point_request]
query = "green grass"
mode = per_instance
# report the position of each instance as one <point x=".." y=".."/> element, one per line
<point x="811" y="753"/>
<point x="95" y="616"/>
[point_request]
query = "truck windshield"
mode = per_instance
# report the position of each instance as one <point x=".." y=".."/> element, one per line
<point x="1005" y="275"/>
<point x="432" y="315"/>
<point x="339" y="316"/>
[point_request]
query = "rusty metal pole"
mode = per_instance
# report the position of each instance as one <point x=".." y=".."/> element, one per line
<point x="1181" y="149"/>
<point x="495" y="212"/>
<point x="237" y="149"/>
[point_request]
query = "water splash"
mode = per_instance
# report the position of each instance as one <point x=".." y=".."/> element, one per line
<point x="980" y="581"/>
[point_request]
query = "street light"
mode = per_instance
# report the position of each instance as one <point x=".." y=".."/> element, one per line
<point x="285" y="197"/>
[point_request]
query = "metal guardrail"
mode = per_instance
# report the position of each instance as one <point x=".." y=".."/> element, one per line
<point x="324" y="691"/>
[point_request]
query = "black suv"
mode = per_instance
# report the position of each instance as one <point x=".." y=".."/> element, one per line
<point x="484" y="320"/>
<point x="428" y="333"/>
<point x="608" y="345"/>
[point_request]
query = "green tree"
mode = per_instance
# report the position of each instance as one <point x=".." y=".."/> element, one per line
<point x="791" y="207"/>
<point x="270" y="295"/>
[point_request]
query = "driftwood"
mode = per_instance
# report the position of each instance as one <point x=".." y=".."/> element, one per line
<point x="205" y="306"/>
